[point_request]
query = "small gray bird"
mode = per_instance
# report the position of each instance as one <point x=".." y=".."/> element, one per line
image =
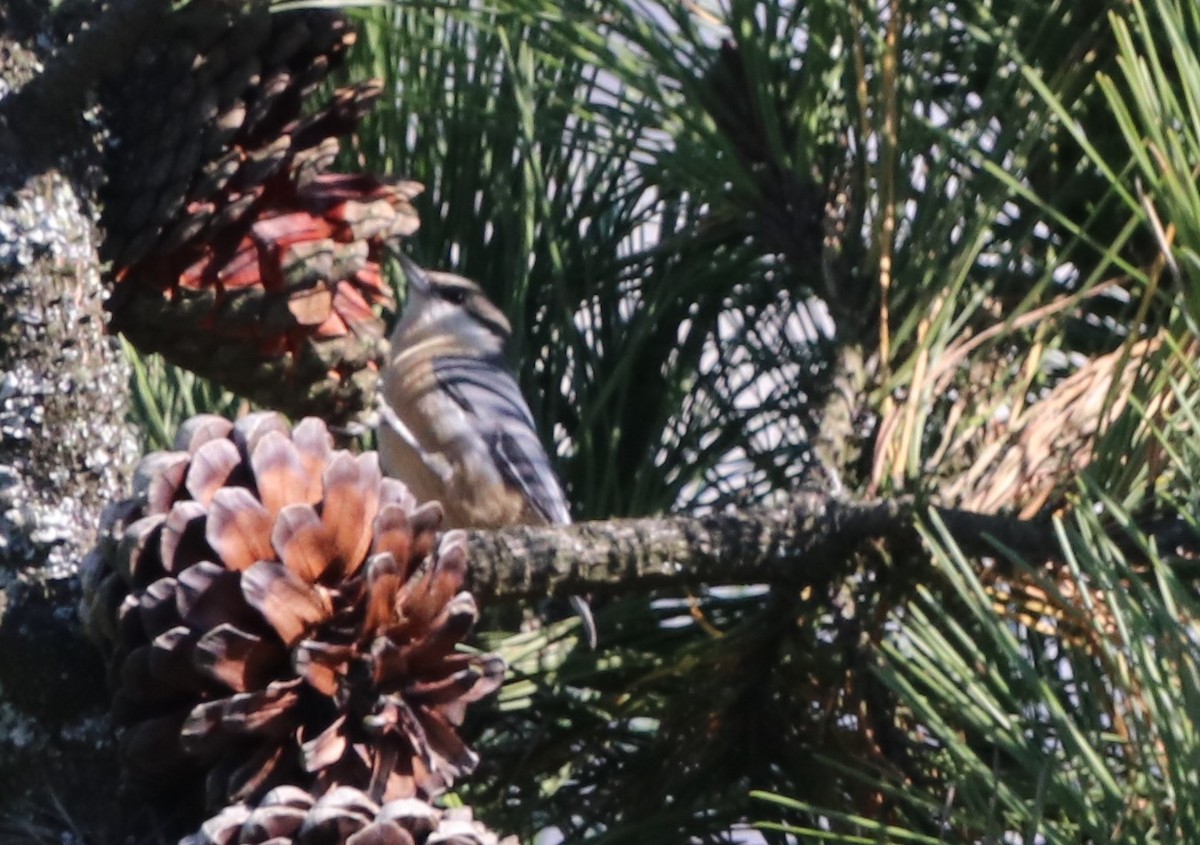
<point x="455" y="426"/>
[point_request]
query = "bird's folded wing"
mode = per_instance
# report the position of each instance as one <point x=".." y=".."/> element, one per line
<point x="489" y="392"/>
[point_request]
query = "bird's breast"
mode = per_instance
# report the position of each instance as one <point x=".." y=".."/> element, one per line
<point x="450" y="459"/>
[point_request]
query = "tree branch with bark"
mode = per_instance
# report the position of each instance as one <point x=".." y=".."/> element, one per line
<point x="806" y="543"/>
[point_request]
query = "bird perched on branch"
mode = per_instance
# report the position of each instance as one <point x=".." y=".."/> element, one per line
<point x="454" y="425"/>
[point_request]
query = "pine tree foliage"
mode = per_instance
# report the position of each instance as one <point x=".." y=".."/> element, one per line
<point x="913" y="247"/>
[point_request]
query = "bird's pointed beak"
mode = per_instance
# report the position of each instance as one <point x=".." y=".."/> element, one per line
<point x="413" y="272"/>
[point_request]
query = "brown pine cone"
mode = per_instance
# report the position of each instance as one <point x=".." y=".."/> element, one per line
<point x="288" y="815"/>
<point x="235" y="253"/>
<point x="276" y="611"/>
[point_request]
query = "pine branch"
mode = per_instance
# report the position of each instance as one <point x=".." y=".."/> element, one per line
<point x="808" y="543"/>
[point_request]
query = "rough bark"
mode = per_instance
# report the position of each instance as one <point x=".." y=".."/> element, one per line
<point x="809" y="543"/>
<point x="813" y="543"/>
<point x="64" y="450"/>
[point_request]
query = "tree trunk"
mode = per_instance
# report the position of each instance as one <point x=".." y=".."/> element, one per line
<point x="65" y="450"/>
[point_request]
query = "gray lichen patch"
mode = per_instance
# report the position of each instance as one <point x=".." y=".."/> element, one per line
<point x="64" y="442"/>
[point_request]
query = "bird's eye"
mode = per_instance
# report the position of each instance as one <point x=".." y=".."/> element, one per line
<point x="455" y="296"/>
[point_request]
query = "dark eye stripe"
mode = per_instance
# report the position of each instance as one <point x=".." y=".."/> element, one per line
<point x="476" y="304"/>
<point x="452" y="294"/>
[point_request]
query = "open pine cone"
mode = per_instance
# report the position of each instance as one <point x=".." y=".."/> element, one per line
<point x="288" y="815"/>
<point x="276" y="612"/>
<point x="236" y="254"/>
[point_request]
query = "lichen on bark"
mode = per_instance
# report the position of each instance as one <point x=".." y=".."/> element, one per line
<point x="65" y="449"/>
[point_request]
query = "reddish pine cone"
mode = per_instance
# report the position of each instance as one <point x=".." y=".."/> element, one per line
<point x="290" y="816"/>
<point x="278" y="612"/>
<point x="236" y="254"/>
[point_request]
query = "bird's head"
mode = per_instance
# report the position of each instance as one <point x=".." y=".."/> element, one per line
<point x="443" y="303"/>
